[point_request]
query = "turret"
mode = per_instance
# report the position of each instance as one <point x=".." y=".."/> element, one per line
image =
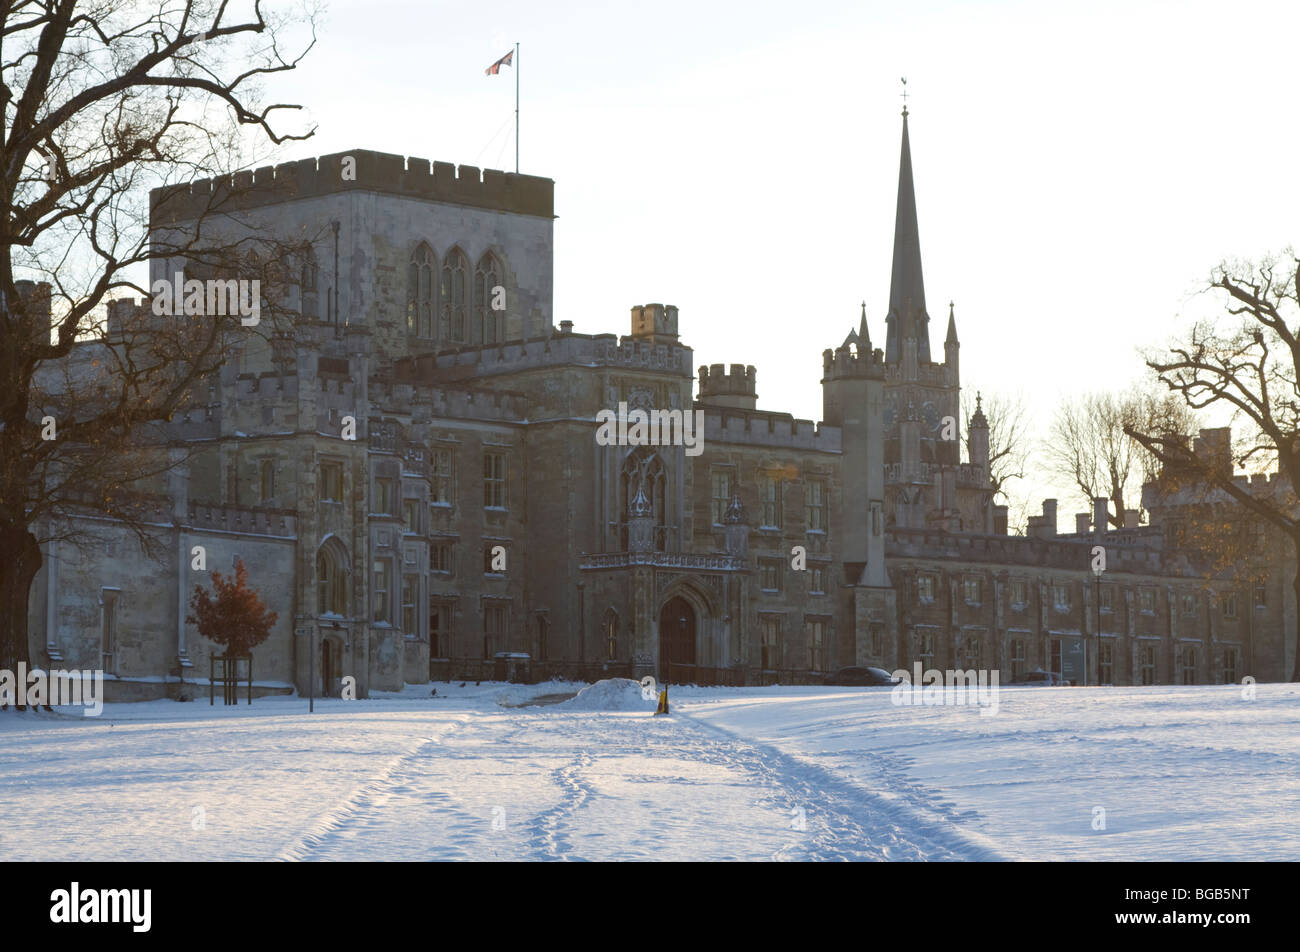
<point x="979" y="437"/>
<point x="853" y="398"/>
<point x="720" y="389"/>
<point x="656" y="323"/>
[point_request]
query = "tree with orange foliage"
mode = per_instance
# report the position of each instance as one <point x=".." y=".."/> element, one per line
<point x="233" y="616"/>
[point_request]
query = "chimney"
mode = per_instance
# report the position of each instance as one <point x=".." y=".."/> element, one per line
<point x="566" y="327"/>
<point x="1049" y="515"/>
<point x="999" y="520"/>
<point x="1082" y="523"/>
<point x="1100" y="508"/>
<point x="1131" y="518"/>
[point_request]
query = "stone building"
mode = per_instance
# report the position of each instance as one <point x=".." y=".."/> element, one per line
<point x="417" y="487"/>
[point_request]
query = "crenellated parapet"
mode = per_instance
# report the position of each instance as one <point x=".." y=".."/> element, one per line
<point x="424" y="402"/>
<point x="243" y="520"/>
<point x="599" y="350"/>
<point x="846" y="362"/>
<point x="356" y="169"/>
<point x="1065" y="553"/>
<point x="734" y="389"/>
<point x="763" y="428"/>
<point x="927" y="375"/>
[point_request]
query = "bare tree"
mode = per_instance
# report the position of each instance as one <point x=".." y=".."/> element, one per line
<point x="103" y="102"/>
<point x="1089" y="449"/>
<point x="1245" y="360"/>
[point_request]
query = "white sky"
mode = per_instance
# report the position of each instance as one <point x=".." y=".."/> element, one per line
<point x="1079" y="168"/>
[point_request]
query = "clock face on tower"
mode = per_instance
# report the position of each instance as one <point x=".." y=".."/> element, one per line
<point x="931" y="414"/>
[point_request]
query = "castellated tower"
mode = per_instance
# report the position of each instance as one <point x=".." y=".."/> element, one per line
<point x="655" y="323"/>
<point x="718" y="389"/>
<point x="853" y="398"/>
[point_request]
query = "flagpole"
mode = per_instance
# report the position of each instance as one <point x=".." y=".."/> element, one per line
<point x="516" y="108"/>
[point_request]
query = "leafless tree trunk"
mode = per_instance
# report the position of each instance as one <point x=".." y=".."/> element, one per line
<point x="1246" y="361"/>
<point x="102" y="102"/>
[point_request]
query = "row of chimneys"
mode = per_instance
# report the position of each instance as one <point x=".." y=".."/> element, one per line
<point x="1044" y="526"/>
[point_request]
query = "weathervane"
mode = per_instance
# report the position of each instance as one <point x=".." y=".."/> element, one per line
<point x="904" y="80"/>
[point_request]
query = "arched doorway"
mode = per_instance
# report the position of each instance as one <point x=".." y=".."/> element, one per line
<point x="676" y="635"/>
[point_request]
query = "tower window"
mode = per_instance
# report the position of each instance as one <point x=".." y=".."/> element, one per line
<point x="486" y="277"/>
<point x="770" y="500"/>
<point x="455" y="308"/>
<point x="815" y="503"/>
<point x="494" y="481"/>
<point x="419" y="293"/>
<point x="721" y="482"/>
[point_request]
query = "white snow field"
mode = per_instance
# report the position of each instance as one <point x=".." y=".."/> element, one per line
<point x="787" y="773"/>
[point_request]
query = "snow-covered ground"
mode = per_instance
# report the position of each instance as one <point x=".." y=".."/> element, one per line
<point x="1189" y="773"/>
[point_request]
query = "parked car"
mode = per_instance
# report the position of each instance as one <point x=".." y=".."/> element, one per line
<point x="862" y="677"/>
<point x="1041" y="679"/>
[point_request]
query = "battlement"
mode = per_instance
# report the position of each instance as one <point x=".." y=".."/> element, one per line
<point x="764" y="428"/>
<point x="565" y="347"/>
<point x="367" y="171"/>
<point x="1141" y="557"/>
<point x="968" y="475"/>
<point x="655" y="322"/>
<point x="242" y="519"/>
<point x="929" y="375"/>
<point x="845" y="362"/>
<point x="735" y="389"/>
<point x="424" y="403"/>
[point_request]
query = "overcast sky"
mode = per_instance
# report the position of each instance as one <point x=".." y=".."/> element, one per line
<point x="1079" y="168"/>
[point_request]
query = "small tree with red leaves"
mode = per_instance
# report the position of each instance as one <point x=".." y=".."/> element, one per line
<point x="233" y="616"/>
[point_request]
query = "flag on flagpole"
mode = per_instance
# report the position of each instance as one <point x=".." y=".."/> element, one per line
<point x="503" y="61"/>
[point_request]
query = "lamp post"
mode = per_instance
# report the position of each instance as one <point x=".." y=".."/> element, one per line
<point x="1096" y="574"/>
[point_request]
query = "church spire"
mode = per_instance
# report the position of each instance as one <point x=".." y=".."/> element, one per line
<point x="863" y="336"/>
<point x="952" y="327"/>
<point x="907" y="315"/>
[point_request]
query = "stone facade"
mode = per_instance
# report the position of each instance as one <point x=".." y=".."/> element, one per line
<point x="476" y="513"/>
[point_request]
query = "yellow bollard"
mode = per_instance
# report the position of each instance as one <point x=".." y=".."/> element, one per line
<point x="663" y="702"/>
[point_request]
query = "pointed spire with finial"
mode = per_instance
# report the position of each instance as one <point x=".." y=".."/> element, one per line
<point x="978" y="419"/>
<point x="952" y="326"/>
<point x="907" y="314"/>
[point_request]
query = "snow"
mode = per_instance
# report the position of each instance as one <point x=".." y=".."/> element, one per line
<point x="1182" y="773"/>
<point x="614" y="694"/>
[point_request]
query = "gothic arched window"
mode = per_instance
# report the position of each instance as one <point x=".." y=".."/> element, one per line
<point x="307" y="278"/>
<point x="332" y="579"/>
<point x="455" y="307"/>
<point x="486" y="277"/>
<point x="419" y="292"/>
<point x="645" y="470"/>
